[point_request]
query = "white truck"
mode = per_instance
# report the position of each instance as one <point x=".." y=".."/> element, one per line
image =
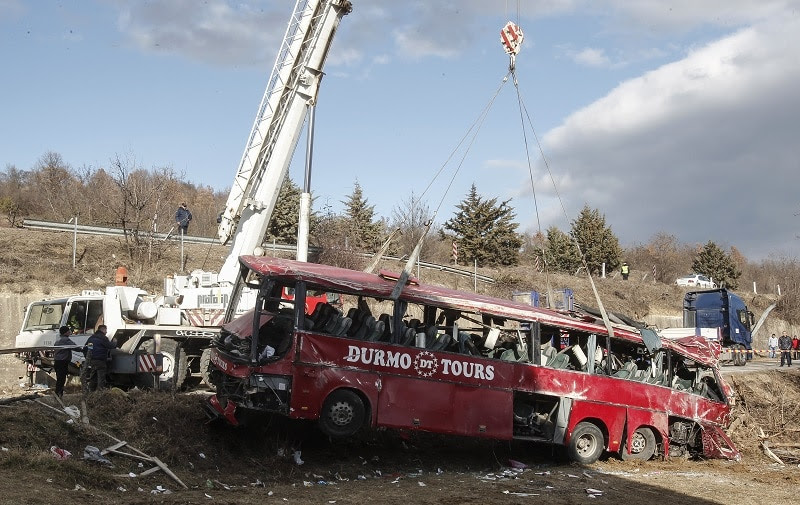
<point x="153" y="347"/>
<point x="193" y="306"/>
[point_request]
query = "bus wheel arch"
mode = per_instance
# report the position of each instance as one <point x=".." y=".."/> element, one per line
<point x="643" y="445"/>
<point x="586" y="442"/>
<point x="344" y="412"/>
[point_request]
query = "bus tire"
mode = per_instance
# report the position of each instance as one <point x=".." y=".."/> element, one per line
<point x="205" y="368"/>
<point x="643" y="446"/>
<point x="586" y="443"/>
<point x="343" y="414"/>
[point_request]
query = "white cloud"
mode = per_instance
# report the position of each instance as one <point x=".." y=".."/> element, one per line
<point x="11" y="9"/>
<point x="686" y="148"/>
<point x="215" y="31"/>
<point x="591" y="57"/>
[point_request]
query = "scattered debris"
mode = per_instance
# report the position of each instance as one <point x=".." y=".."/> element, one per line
<point x="593" y="493"/>
<point x="516" y="464"/>
<point x="59" y="453"/>
<point x="92" y="453"/>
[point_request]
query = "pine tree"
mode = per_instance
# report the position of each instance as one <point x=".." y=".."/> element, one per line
<point x="561" y="255"/>
<point x="361" y="228"/>
<point x="285" y="217"/>
<point x="598" y="243"/>
<point x="485" y="231"/>
<point x="715" y="263"/>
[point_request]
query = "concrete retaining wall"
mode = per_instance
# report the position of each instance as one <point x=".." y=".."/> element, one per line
<point x="12" y="308"/>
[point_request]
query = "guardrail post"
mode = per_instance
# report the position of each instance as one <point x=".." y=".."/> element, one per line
<point x="74" y="242"/>
<point x="183" y="259"/>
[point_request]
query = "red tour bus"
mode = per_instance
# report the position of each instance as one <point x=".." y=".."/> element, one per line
<point x="454" y="362"/>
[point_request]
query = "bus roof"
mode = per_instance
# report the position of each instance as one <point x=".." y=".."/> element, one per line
<point x="377" y="286"/>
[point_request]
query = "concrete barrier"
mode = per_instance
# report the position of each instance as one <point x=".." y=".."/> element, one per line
<point x="12" y="307"/>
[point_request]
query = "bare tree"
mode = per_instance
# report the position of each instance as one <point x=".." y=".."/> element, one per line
<point x="15" y="194"/>
<point x="411" y="216"/>
<point x="142" y="198"/>
<point x="50" y="175"/>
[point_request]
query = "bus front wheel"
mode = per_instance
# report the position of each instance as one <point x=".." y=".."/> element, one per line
<point x="343" y="414"/>
<point x="586" y="443"/>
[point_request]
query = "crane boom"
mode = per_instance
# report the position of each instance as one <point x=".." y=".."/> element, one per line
<point x="293" y="86"/>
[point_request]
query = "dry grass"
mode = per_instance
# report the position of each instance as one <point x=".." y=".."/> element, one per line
<point x="767" y="410"/>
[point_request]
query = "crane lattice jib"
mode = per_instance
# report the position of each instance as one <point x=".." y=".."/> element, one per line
<point x="293" y="83"/>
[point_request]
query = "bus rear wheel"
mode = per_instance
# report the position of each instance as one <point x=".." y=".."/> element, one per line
<point x="586" y="443"/>
<point x="643" y="446"/>
<point x="343" y="414"/>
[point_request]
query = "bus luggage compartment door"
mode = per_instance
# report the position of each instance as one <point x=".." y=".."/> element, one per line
<point x="444" y="407"/>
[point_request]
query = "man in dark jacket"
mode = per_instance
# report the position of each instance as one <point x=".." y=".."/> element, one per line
<point x="182" y="217"/>
<point x="98" y="351"/>
<point x="62" y="358"/>
<point x="785" y="346"/>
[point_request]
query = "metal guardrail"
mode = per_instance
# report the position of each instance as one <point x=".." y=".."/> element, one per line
<point x="117" y="232"/>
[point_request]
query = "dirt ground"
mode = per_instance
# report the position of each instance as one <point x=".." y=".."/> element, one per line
<point x="227" y="465"/>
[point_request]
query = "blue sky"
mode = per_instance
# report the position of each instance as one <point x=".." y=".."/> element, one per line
<point x="675" y="117"/>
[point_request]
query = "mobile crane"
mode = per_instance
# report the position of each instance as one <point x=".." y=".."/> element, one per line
<point x="191" y="309"/>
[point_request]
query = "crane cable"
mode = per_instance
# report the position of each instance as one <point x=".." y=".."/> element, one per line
<point x="523" y="109"/>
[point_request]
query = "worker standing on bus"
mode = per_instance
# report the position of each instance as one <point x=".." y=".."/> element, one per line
<point x="624" y="270"/>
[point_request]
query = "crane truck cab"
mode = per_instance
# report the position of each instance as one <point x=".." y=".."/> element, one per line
<point x="138" y="324"/>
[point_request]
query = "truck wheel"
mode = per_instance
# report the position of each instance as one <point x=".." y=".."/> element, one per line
<point x="739" y="355"/>
<point x="643" y="446"/>
<point x="205" y="368"/>
<point x="586" y="443"/>
<point x="175" y="365"/>
<point x="343" y="414"/>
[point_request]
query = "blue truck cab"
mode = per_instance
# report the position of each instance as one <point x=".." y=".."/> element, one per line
<point x="723" y="310"/>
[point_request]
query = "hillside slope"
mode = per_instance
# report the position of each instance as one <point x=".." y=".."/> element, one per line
<point x="41" y="262"/>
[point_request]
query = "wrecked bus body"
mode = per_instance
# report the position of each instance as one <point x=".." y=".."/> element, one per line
<point x="454" y="362"/>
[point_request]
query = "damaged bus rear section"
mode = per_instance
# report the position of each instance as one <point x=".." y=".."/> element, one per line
<point x="454" y="362"/>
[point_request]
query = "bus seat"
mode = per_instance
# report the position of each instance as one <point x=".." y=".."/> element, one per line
<point x="560" y="360"/>
<point x="358" y="321"/>
<point x="682" y="384"/>
<point x="326" y="311"/>
<point x="333" y="322"/>
<point x="548" y="351"/>
<point x="388" y="327"/>
<point x="344" y="325"/>
<point x="508" y="355"/>
<point x="442" y="342"/>
<point x="627" y="370"/>
<point x="409" y="335"/>
<point x="431" y="336"/>
<point x="367" y="324"/>
<point x="375" y="334"/>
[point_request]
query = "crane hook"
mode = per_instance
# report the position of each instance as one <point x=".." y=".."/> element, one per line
<point x="511" y="37"/>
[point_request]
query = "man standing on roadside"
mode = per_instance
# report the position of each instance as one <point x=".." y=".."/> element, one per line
<point x="62" y="358"/>
<point x="772" y="345"/>
<point x="98" y="351"/>
<point x="625" y="270"/>
<point x="785" y="346"/>
<point x="182" y="218"/>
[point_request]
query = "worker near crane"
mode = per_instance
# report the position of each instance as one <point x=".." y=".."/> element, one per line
<point x="98" y="351"/>
<point x="182" y="218"/>
<point x="62" y="358"/>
